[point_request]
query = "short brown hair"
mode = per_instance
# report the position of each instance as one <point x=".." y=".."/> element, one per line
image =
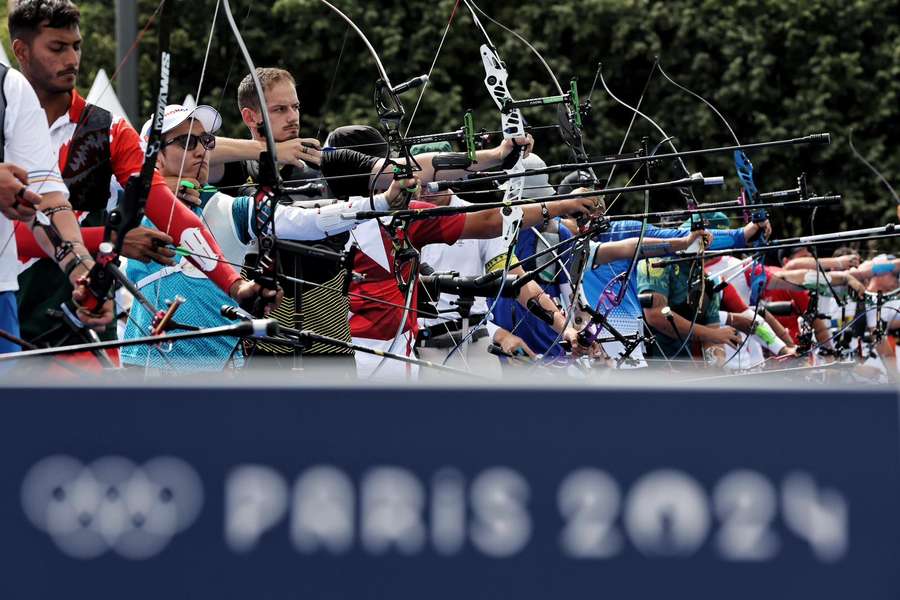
<point x="268" y="77"/>
<point x="25" y="19"/>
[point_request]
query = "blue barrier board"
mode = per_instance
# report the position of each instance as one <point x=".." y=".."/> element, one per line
<point x="440" y="493"/>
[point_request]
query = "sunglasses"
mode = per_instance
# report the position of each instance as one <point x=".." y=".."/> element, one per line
<point x="189" y="141"/>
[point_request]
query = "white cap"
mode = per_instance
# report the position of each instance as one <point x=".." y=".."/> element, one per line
<point x="536" y="186"/>
<point x="176" y="114"/>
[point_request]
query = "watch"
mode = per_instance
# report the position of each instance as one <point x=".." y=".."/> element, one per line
<point x="545" y="213"/>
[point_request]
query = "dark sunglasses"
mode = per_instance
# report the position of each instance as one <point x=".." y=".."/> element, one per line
<point x="189" y="141"/>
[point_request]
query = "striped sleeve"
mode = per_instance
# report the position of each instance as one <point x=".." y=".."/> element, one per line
<point x="28" y="142"/>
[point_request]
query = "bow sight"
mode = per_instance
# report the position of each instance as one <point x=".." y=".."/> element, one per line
<point x="390" y="114"/>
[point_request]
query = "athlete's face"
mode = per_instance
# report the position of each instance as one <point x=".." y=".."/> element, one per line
<point x="284" y="112"/>
<point x="52" y="59"/>
<point x="195" y="161"/>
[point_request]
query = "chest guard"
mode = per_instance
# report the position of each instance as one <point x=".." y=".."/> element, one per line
<point x="88" y="167"/>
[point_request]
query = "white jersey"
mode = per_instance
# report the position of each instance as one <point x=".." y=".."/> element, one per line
<point x="729" y="268"/>
<point x="27" y="145"/>
<point x="231" y="221"/>
<point x="218" y="215"/>
<point x="467" y="257"/>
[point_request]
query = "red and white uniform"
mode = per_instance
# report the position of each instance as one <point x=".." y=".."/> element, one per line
<point x="374" y="324"/>
<point x="736" y="299"/>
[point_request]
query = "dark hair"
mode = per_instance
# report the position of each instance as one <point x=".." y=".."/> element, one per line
<point x="26" y="18"/>
<point x="786" y="254"/>
<point x="572" y="181"/>
<point x="843" y="251"/>
<point x="362" y="138"/>
<point x="575" y="180"/>
<point x="268" y="76"/>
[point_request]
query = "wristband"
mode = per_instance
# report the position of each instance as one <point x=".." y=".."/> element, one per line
<point x="55" y="209"/>
<point x="78" y="260"/>
<point x="759" y="216"/>
<point x="451" y="160"/>
<point x="545" y="213"/>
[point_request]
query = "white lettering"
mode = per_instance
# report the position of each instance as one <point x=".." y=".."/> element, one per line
<point x="448" y="512"/>
<point x="502" y="525"/>
<point x="392" y="504"/>
<point x="666" y="514"/>
<point x="817" y="516"/>
<point x="589" y="500"/>
<point x="746" y="504"/>
<point x="323" y="511"/>
<point x="255" y="500"/>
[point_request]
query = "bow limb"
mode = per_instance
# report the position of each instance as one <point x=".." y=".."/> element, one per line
<point x="522" y="39"/>
<point x="632" y="264"/>
<point x="272" y="157"/>
<point x="156" y="16"/>
<point x="390" y="115"/>
<point x="513" y="127"/>
<point x="872" y="168"/>
<point x="743" y="166"/>
<point x="701" y="99"/>
<point x="630" y="123"/>
<point x="667" y="139"/>
<point x="576" y="144"/>
<point x="378" y="64"/>
<point x="692" y="201"/>
<point x="128" y="214"/>
<point x="749" y="192"/>
<point x="573" y="138"/>
<point x="388" y="105"/>
<point x="130" y="211"/>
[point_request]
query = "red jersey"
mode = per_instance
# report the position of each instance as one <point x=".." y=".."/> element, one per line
<point x="375" y="260"/>
<point x="800" y="299"/>
<point x="732" y="301"/>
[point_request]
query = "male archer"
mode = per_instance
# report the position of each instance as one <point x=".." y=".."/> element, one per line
<point x="30" y="182"/>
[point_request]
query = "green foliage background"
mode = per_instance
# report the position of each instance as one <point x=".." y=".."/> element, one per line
<point x="775" y="68"/>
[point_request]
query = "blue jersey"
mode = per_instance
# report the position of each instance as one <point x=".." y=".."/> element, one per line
<point x="510" y="315"/>
<point x="625" y="316"/>
<point x="204" y="301"/>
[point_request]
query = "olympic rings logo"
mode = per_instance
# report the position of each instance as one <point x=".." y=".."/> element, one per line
<point x="112" y="504"/>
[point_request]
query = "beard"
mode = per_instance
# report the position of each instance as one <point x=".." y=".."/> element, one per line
<point x="283" y="135"/>
<point x="53" y="83"/>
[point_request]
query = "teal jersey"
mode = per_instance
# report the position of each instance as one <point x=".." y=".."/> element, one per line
<point x="202" y="309"/>
<point x="673" y="282"/>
